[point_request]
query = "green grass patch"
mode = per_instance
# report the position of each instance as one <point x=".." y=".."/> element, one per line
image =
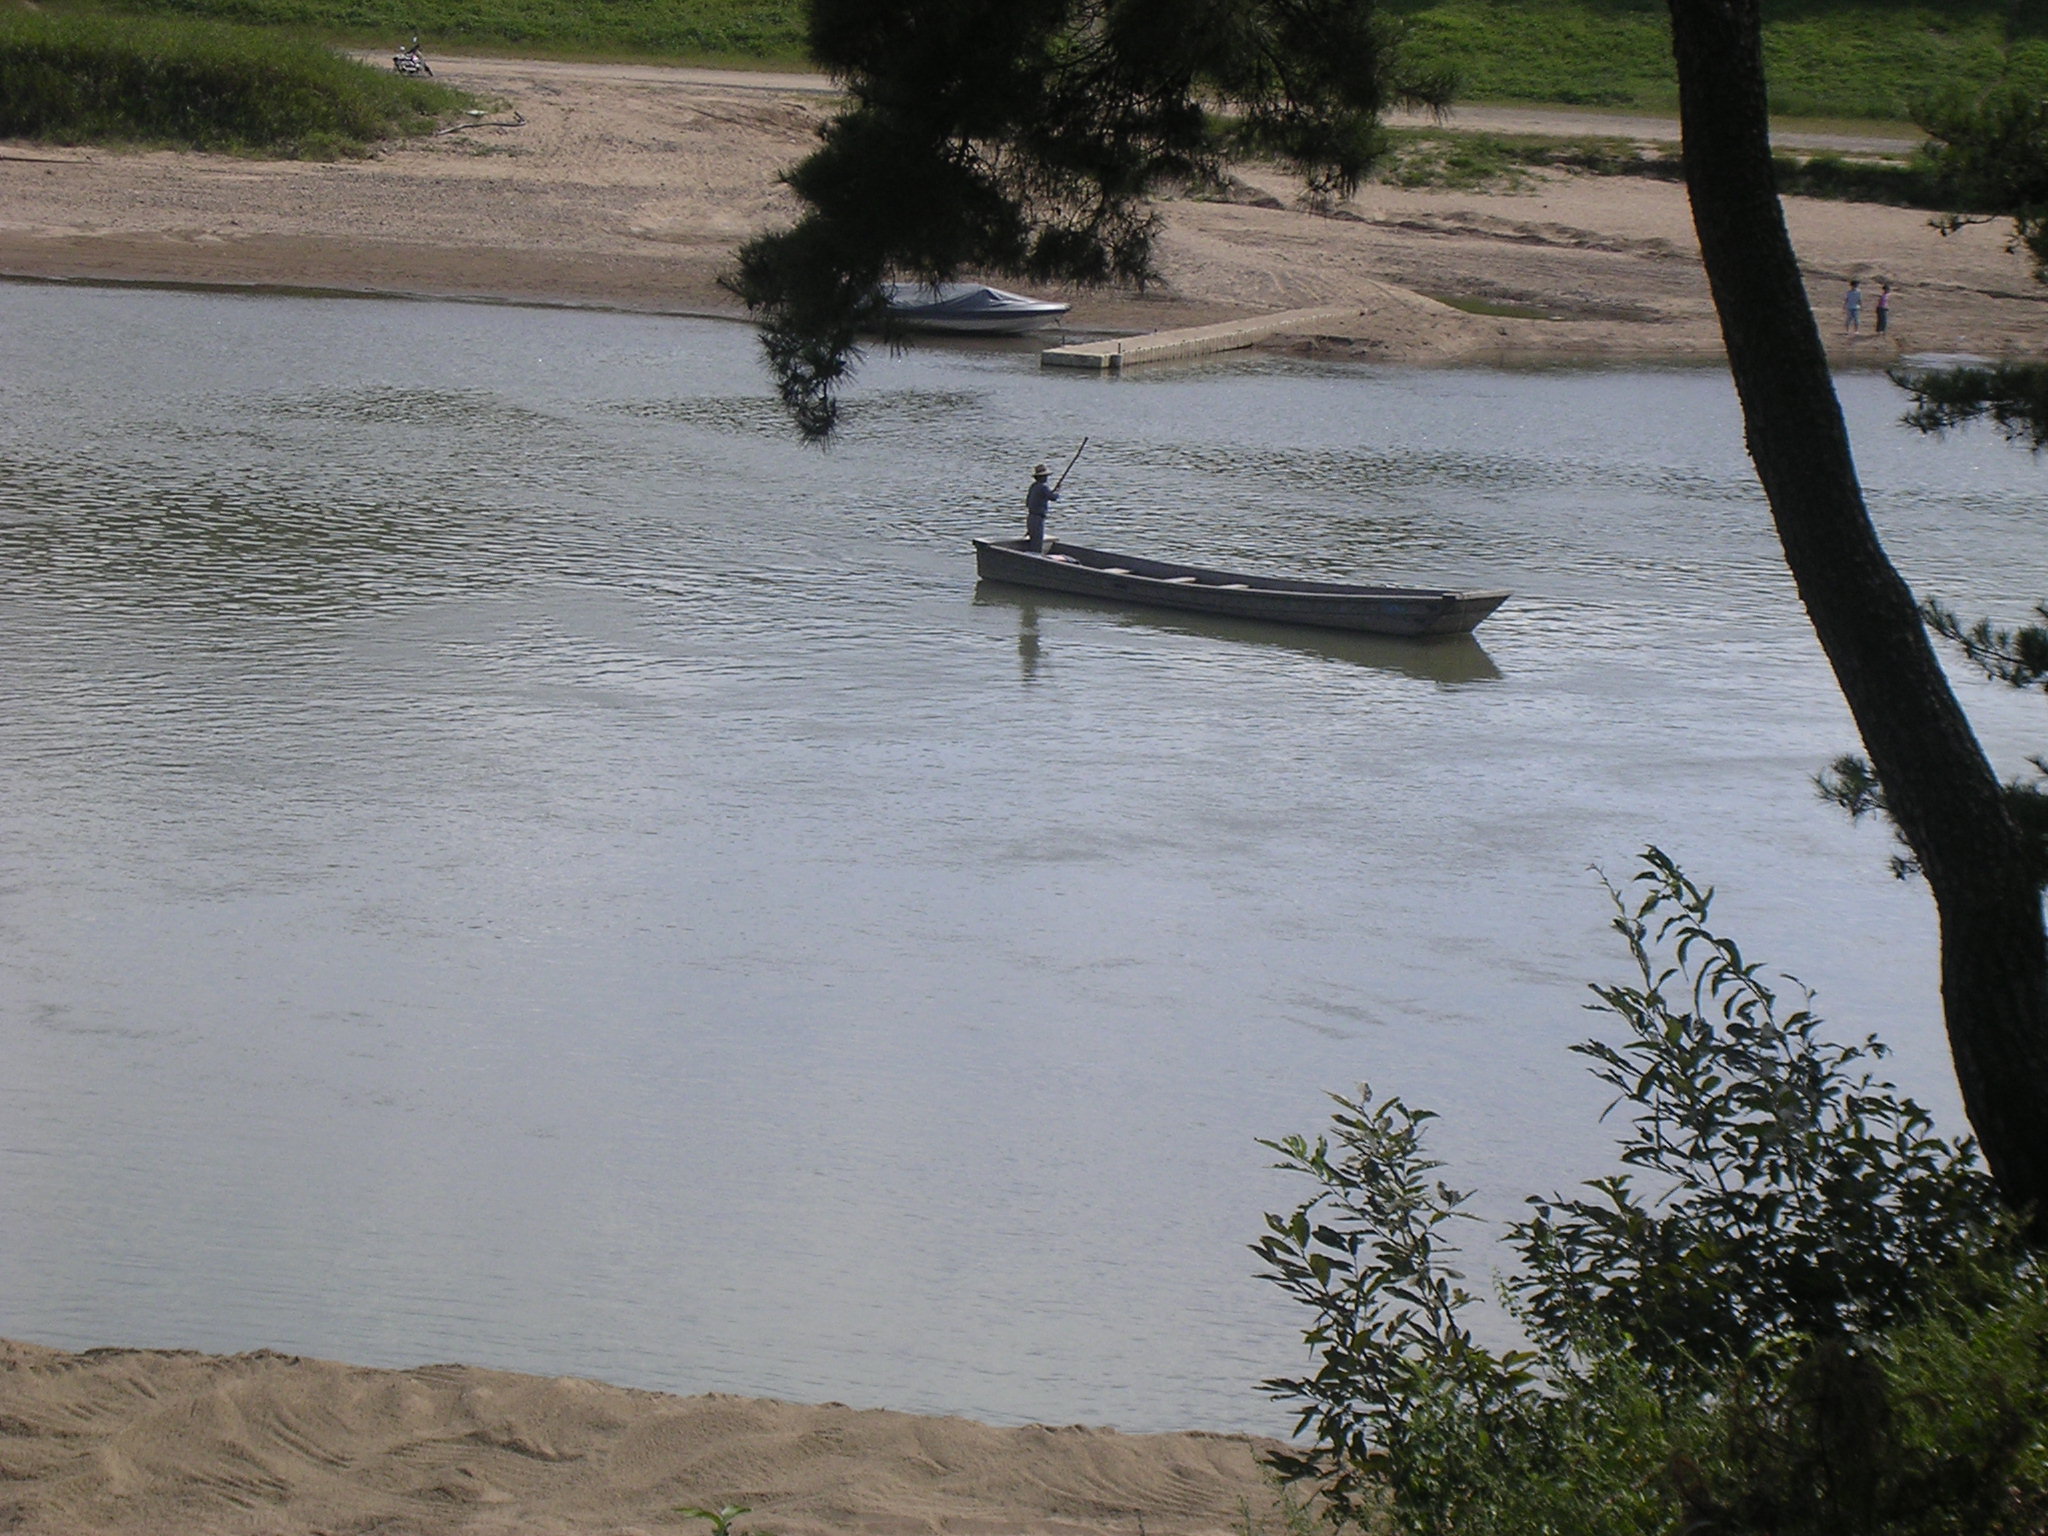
<point x="1434" y="158"/>
<point x="78" y="79"/>
<point x="1858" y="59"/>
<point x="1907" y="181"/>
<point x="698" y="31"/>
<point x="1575" y="52"/>
<point x="1441" y="158"/>
<point x="1845" y="59"/>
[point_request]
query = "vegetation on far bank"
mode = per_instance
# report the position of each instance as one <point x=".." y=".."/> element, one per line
<point x="1447" y="158"/>
<point x="200" y="85"/>
<point x="1827" y="58"/>
<point x="675" y="31"/>
<point x="1824" y="58"/>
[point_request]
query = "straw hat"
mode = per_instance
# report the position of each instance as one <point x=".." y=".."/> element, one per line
<point x="1039" y="472"/>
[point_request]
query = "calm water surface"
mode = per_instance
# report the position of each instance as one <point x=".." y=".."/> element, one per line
<point x="507" y="857"/>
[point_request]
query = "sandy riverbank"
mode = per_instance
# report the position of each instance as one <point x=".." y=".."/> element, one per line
<point x="630" y="186"/>
<point x="163" y="1443"/>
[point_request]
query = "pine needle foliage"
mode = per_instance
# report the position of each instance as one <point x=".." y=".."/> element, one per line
<point x="2012" y="397"/>
<point x="1990" y="154"/>
<point x="1022" y="137"/>
<point x="2017" y="657"/>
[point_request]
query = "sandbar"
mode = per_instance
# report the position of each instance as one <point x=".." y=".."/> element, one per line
<point x="630" y="186"/>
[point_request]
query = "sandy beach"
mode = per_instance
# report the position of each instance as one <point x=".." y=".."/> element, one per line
<point x="126" y="1442"/>
<point x="630" y="187"/>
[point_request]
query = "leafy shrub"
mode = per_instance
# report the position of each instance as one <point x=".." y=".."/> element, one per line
<point x="1397" y="1367"/>
<point x="1815" y="1324"/>
<point x="1804" y="1196"/>
<point x="1932" y="1429"/>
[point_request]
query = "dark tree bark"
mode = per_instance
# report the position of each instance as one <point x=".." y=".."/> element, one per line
<point x="1941" y="790"/>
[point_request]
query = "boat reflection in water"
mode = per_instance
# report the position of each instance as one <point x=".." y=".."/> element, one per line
<point x="1448" y="659"/>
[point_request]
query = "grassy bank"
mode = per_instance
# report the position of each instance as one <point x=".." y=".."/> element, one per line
<point x="1827" y="58"/>
<point x="200" y="85"/>
<point x="1428" y="157"/>
<point x="695" y="31"/>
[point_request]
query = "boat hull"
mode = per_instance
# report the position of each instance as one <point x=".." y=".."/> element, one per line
<point x="978" y="325"/>
<point x="1061" y="567"/>
<point x="967" y="309"/>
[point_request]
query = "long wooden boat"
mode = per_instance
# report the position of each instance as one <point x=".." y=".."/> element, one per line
<point x="1063" y="567"/>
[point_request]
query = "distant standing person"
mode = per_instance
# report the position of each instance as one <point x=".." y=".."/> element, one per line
<point x="1852" y="306"/>
<point x="1884" y="308"/>
<point x="1036" y="500"/>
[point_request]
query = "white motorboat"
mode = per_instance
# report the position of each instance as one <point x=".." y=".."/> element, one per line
<point x="968" y="308"/>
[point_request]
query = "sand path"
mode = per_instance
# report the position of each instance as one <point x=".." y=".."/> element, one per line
<point x="631" y="185"/>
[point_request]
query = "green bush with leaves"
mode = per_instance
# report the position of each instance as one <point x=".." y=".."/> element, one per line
<point x="1813" y="1320"/>
<point x="1798" y="1194"/>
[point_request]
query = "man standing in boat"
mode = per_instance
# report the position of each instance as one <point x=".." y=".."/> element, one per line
<point x="1036" y="501"/>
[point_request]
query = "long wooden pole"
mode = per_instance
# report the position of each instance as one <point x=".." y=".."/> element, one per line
<point x="1070" y="464"/>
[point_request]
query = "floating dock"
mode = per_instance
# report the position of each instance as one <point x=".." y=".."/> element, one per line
<point x="1196" y="341"/>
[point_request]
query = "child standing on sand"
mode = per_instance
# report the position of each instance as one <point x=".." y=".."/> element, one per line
<point x="1884" y="308"/>
<point x="1852" y="306"/>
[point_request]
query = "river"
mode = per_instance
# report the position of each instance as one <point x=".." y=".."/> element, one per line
<point x="509" y="857"/>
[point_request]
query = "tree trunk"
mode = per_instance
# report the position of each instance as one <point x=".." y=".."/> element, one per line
<point x="1941" y="790"/>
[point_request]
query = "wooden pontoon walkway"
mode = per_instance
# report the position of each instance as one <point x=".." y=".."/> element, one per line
<point x="1196" y="341"/>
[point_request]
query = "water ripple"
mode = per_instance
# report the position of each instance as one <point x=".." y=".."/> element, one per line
<point x="511" y="856"/>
